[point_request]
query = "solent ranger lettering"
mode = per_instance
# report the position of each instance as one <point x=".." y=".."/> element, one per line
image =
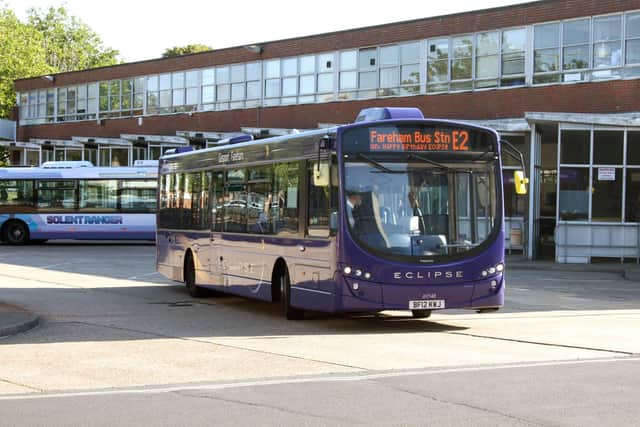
<point x="80" y="219"/>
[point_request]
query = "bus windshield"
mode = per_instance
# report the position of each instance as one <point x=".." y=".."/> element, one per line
<point x="420" y="204"/>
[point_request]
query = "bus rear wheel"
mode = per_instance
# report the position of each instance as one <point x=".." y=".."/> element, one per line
<point x="190" y="278"/>
<point x="16" y="233"/>
<point x="420" y="314"/>
<point x="291" y="313"/>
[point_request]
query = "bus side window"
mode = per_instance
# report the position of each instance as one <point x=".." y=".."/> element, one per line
<point x="16" y="193"/>
<point x="284" y="203"/>
<point x="322" y="202"/>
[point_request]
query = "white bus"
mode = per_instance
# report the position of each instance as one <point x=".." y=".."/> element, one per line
<point x="74" y="200"/>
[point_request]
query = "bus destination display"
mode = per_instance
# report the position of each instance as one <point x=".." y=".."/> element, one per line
<point x="392" y="139"/>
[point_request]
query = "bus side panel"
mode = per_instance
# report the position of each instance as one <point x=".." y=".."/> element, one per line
<point x="248" y="264"/>
<point x="312" y="276"/>
<point x="83" y="226"/>
<point x="164" y="262"/>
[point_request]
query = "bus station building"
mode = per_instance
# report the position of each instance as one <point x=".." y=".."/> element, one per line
<point x="559" y="79"/>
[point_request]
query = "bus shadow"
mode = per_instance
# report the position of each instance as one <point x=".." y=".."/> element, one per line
<point x="151" y="312"/>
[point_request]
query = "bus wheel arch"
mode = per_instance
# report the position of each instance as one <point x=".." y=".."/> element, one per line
<point x="281" y="290"/>
<point x="189" y="276"/>
<point x="15" y="232"/>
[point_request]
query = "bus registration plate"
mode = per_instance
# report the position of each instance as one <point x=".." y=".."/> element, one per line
<point x="426" y="304"/>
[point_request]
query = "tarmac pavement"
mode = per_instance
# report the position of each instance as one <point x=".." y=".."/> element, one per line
<point x="14" y="320"/>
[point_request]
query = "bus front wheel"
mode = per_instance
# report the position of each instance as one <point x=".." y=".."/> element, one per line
<point x="190" y="278"/>
<point x="16" y="233"/>
<point x="290" y="312"/>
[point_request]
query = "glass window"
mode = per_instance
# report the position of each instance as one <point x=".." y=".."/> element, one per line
<point x="138" y="195"/>
<point x="222" y="75"/>
<point x="410" y="53"/>
<point x="513" y="47"/>
<point x="389" y="55"/>
<point x="208" y="94"/>
<point x="290" y="67"/>
<point x="437" y="64"/>
<point x="367" y="58"/>
<point x="348" y="80"/>
<point x="325" y="62"/>
<point x="632" y="211"/>
<point x="307" y="64"/>
<point x="178" y="97"/>
<point x="253" y="90"/>
<point x="284" y="202"/>
<point x="272" y="68"/>
<point x="253" y="71"/>
<point x="235" y="203"/>
<point x="307" y="85"/>
<point x="98" y="195"/>
<point x="165" y="81"/>
<point x="487" y="60"/>
<point x="575" y="146"/>
<point x="237" y="73"/>
<point x="192" y="96"/>
<point x="368" y="80"/>
<point x="191" y="79"/>
<point x="632" y="29"/>
<point x="272" y="88"/>
<point x="575" y="52"/>
<point x="633" y="148"/>
<point x="223" y="92"/>
<point x="461" y="57"/>
<point x="208" y="76"/>
<point x="57" y="194"/>
<point x="574" y="194"/>
<point x="389" y="77"/>
<point x="177" y="80"/>
<point x="608" y="147"/>
<point x="290" y="86"/>
<point x="606" y="200"/>
<point x="16" y="193"/>
<point x="152" y="84"/>
<point x="607" y="49"/>
<point x="237" y="91"/>
<point x="325" y="83"/>
<point x="546" y="41"/>
<point x="348" y="60"/>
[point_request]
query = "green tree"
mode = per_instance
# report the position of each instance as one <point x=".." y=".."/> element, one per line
<point x="22" y="55"/>
<point x="185" y="50"/>
<point x="69" y="43"/>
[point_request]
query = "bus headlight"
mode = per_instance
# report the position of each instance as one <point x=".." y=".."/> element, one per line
<point x="499" y="268"/>
<point x="347" y="270"/>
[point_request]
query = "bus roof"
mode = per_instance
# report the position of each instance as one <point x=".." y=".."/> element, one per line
<point x="78" y="173"/>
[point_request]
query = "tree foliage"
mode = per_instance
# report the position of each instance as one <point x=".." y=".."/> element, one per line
<point x="22" y="55"/>
<point x="185" y="50"/>
<point x="68" y="42"/>
<point x="49" y="42"/>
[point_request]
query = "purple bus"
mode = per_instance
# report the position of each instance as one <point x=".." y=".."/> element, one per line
<point x="392" y="212"/>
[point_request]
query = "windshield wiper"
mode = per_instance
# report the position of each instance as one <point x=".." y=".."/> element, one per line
<point x="431" y="162"/>
<point x="377" y="165"/>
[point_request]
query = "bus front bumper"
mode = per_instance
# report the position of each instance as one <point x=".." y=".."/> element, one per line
<point x="361" y="295"/>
